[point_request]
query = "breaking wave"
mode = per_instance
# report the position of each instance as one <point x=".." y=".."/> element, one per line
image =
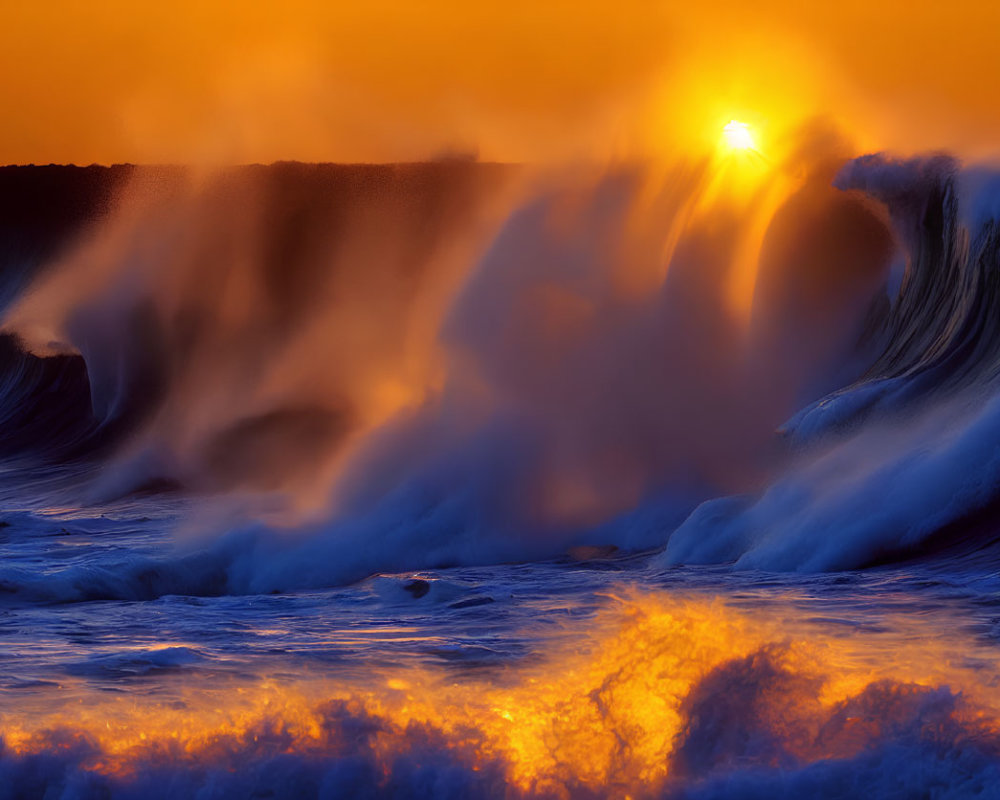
<point x="355" y="369"/>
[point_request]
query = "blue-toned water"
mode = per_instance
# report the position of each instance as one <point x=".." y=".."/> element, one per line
<point x="69" y="660"/>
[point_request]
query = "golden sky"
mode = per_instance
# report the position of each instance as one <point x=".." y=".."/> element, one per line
<point x="536" y="80"/>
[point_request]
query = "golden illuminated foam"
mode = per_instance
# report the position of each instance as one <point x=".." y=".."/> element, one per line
<point x="620" y="706"/>
<point x="738" y="136"/>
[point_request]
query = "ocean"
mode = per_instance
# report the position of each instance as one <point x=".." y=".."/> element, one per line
<point x="462" y="480"/>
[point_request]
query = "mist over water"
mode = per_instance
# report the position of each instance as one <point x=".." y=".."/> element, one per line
<point x="456" y="363"/>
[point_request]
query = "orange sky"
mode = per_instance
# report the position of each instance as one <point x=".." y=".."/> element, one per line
<point x="382" y="80"/>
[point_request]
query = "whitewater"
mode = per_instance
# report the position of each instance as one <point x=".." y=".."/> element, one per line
<point x="472" y="480"/>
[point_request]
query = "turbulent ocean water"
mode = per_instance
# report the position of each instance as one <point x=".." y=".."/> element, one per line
<point x="467" y="480"/>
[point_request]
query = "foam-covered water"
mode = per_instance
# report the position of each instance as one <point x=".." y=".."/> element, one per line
<point x="299" y="693"/>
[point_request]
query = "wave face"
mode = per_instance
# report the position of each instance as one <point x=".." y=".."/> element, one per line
<point x="44" y="211"/>
<point x="901" y="462"/>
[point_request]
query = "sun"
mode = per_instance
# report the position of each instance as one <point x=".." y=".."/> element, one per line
<point x="737" y="135"/>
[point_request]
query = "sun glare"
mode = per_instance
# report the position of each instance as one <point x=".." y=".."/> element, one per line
<point x="737" y="135"/>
